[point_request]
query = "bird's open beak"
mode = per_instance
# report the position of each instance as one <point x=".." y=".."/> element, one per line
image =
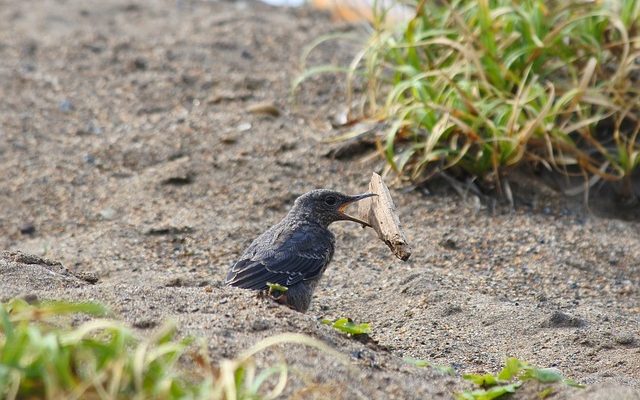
<point x="353" y="199"/>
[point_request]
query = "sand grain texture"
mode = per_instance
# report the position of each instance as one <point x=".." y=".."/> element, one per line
<point x="129" y="154"/>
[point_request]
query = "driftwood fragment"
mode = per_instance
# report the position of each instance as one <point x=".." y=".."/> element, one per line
<point x="380" y="212"/>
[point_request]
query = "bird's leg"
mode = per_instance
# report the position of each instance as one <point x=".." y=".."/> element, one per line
<point x="296" y="297"/>
<point x="276" y="294"/>
<point x="281" y="298"/>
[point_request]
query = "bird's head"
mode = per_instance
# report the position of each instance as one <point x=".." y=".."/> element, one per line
<point x="327" y="206"/>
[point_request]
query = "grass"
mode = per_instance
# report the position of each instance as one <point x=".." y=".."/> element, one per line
<point x="510" y="379"/>
<point x="41" y="356"/>
<point x="346" y="325"/>
<point x="481" y="87"/>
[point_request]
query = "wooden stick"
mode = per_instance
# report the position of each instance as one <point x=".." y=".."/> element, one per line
<point x="380" y="212"/>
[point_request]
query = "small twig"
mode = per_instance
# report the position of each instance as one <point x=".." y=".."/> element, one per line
<point x="380" y="212"/>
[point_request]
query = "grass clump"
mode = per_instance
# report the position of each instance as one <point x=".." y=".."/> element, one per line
<point x="483" y="86"/>
<point x="99" y="359"/>
<point x="41" y="356"/>
<point x="510" y="378"/>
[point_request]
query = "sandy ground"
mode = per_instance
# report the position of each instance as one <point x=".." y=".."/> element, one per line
<point x="130" y="161"/>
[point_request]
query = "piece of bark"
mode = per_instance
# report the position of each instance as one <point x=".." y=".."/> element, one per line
<point x="380" y="212"/>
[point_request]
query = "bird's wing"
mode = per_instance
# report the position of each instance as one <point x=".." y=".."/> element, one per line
<point x="296" y="257"/>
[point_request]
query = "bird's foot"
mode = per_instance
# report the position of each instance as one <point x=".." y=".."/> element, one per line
<point x="274" y="295"/>
<point x="280" y="298"/>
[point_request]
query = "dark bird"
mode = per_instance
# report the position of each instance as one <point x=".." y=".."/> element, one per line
<point x="295" y="252"/>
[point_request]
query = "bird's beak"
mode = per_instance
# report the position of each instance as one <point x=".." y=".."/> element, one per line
<point x="351" y="200"/>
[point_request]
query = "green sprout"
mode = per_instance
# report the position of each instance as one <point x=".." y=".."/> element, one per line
<point x="346" y="325"/>
<point x="510" y="378"/>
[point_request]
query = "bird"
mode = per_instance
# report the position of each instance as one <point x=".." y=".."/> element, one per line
<point x="293" y="254"/>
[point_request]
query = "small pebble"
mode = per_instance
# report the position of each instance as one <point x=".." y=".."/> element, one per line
<point x="145" y="324"/>
<point x="66" y="106"/>
<point x="243" y="127"/>
<point x="625" y="339"/>
<point x="140" y="63"/>
<point x="108" y="213"/>
<point x="30" y="298"/>
<point x="27" y="229"/>
<point x="89" y="159"/>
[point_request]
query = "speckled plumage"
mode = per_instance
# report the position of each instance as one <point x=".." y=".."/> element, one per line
<point x="296" y="251"/>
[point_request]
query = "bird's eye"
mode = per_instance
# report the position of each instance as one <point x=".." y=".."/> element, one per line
<point x="331" y="200"/>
